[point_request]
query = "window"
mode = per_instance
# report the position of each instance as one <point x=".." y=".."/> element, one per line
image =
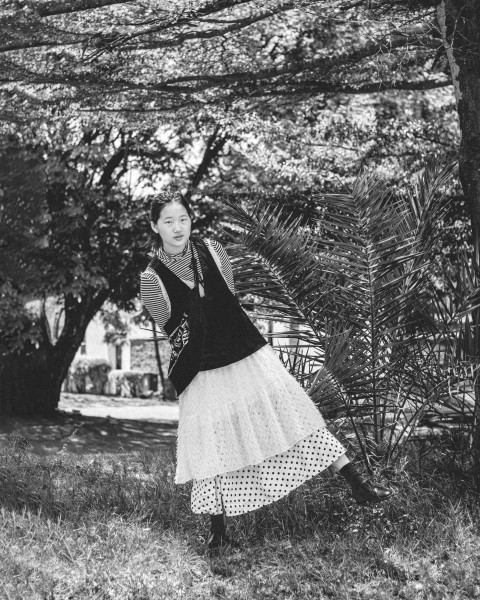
<point x="118" y="356"/>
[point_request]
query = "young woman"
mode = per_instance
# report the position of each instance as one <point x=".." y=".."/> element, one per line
<point x="248" y="433"/>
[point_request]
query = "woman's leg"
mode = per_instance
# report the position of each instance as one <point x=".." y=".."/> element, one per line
<point x="217" y="524"/>
<point x="363" y="490"/>
<point x="340" y="462"/>
<point x="218" y="534"/>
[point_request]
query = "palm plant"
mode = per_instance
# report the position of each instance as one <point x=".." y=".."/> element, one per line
<point x="457" y="312"/>
<point x="355" y="283"/>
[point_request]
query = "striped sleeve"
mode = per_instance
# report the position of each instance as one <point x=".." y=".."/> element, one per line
<point x="225" y="264"/>
<point x="153" y="299"/>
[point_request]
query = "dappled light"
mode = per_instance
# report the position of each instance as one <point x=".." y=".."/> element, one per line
<point x="79" y="433"/>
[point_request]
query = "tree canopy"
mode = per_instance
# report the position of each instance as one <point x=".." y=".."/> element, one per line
<point x="302" y="91"/>
<point x="175" y="57"/>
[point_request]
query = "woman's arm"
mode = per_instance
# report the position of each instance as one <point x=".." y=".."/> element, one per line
<point x="225" y="265"/>
<point x="154" y="298"/>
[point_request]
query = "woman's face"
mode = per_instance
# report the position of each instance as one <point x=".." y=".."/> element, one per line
<point x="174" y="226"/>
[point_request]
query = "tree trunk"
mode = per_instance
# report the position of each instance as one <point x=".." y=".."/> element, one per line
<point x="31" y="381"/>
<point x="459" y="22"/>
<point x="29" y="384"/>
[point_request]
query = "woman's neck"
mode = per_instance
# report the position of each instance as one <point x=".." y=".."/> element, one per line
<point x="176" y="254"/>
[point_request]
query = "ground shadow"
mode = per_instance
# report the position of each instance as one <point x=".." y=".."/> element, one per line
<point x="73" y="432"/>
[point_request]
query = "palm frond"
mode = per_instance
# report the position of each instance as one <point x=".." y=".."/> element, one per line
<point x="356" y="283"/>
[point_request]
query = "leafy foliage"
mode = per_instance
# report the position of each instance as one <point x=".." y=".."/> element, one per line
<point x="176" y="56"/>
<point x="73" y="222"/>
<point x="88" y="374"/>
<point x="128" y="384"/>
<point x="299" y="90"/>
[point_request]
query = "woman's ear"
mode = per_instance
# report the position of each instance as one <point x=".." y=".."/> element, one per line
<point x="153" y="226"/>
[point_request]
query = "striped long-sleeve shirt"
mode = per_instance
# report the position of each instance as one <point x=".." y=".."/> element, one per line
<point x="152" y="291"/>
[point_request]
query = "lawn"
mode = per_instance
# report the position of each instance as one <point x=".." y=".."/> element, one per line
<point x="115" y="526"/>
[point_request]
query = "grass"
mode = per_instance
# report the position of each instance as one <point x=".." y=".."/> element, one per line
<point x="117" y="527"/>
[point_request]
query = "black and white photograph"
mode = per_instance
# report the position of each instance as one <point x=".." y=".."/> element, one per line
<point x="239" y="299"/>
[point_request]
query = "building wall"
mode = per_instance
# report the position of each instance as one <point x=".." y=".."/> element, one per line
<point x="95" y="345"/>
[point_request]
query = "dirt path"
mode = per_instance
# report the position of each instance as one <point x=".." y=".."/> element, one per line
<point x="91" y="424"/>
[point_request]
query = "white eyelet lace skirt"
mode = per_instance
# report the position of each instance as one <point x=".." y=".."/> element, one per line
<point x="248" y="434"/>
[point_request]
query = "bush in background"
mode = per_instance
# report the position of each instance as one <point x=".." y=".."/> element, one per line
<point x="88" y="375"/>
<point x="128" y="384"/>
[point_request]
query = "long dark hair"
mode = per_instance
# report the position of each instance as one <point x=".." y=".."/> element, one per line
<point x="158" y="203"/>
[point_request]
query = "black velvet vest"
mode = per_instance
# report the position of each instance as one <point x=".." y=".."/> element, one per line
<point x="205" y="332"/>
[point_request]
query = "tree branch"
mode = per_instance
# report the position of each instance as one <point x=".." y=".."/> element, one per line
<point x="113" y="163"/>
<point x="419" y="38"/>
<point x="310" y="88"/>
<point x="172" y="42"/>
<point x="45" y="325"/>
<point x="37" y="44"/>
<point x="322" y="63"/>
<point x="213" y="147"/>
<point x="60" y="7"/>
<point x="182" y="17"/>
<point x="367" y="88"/>
<point x="119" y="41"/>
<point x="210" y="33"/>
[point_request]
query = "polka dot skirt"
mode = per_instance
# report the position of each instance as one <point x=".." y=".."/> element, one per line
<point x="254" y="486"/>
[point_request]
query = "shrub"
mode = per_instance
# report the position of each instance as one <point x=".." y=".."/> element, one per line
<point x="128" y="384"/>
<point x="88" y="375"/>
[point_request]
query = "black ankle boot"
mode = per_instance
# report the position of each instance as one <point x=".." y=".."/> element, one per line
<point x="363" y="490"/>
<point x="218" y="539"/>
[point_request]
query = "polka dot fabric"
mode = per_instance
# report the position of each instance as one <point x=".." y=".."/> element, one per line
<point x="254" y="486"/>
